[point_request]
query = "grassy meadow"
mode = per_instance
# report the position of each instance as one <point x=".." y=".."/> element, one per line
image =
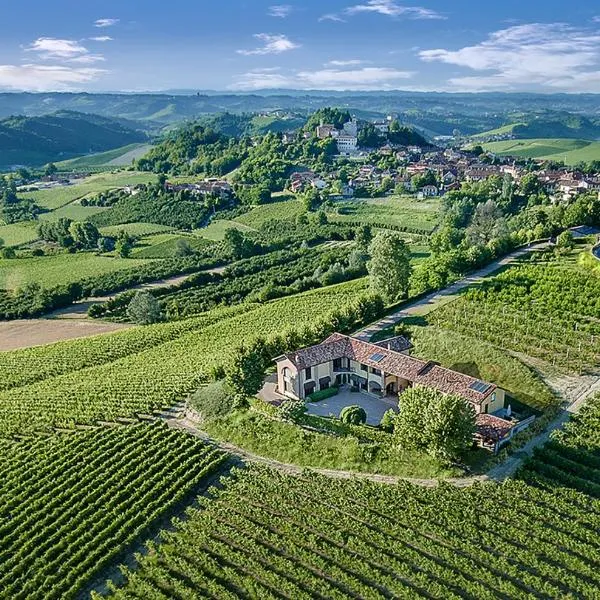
<point x="59" y="269"/>
<point x="400" y="211"/>
<point x="16" y="234"/>
<point x="60" y="196"/>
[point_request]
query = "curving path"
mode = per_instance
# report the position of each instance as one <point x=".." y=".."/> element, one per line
<point x="430" y="301"/>
<point x="498" y="473"/>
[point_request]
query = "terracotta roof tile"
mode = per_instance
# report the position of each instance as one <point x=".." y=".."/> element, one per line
<point x="427" y="373"/>
<point x="492" y="427"/>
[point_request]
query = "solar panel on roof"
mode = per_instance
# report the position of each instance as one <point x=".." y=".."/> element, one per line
<point x="377" y="357"/>
<point x="480" y="386"/>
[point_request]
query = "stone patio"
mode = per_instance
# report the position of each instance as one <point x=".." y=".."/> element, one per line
<point x="374" y="407"/>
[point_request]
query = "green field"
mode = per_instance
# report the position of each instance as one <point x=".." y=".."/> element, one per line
<point x="397" y="211"/>
<point x="59" y="269"/>
<point x="16" y="234"/>
<point x="119" y="157"/>
<point x="267" y="534"/>
<point x="135" y="229"/>
<point x="74" y="211"/>
<point x="164" y="245"/>
<point x="216" y="230"/>
<point x="570" y="151"/>
<point x="284" y="210"/>
<point x="59" y="196"/>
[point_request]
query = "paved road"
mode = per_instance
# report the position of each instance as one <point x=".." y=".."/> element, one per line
<point x="433" y="298"/>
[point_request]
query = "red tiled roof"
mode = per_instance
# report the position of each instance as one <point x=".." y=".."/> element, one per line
<point x="492" y="427"/>
<point x="427" y="373"/>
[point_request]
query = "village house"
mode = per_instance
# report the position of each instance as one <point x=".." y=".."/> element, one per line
<point x="382" y="368"/>
<point x="385" y="369"/>
<point x="429" y="191"/>
<point x="211" y="186"/>
<point x="347" y="144"/>
<point x="481" y="172"/>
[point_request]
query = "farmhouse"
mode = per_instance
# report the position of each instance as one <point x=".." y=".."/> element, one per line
<point x="381" y="369"/>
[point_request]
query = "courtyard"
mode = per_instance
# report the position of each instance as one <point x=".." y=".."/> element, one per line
<point x="374" y="406"/>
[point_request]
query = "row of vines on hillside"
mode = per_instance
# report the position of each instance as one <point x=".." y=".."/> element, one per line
<point x="163" y="374"/>
<point x="268" y="535"/>
<point x="72" y="504"/>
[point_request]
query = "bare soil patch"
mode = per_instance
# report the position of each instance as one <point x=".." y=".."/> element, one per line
<point x="36" y="332"/>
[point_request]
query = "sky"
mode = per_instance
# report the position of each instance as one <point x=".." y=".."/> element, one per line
<point x="246" y="45"/>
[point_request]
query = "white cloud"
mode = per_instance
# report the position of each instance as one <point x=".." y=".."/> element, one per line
<point x="272" y="44"/>
<point x="596" y="19"/>
<point x="390" y="8"/>
<point x="87" y="59"/>
<point x="53" y="48"/>
<point x="552" y="55"/>
<point x="42" y="78"/>
<point x="106" y="22"/>
<point x="345" y="63"/>
<point x="366" y="78"/>
<point x="280" y="10"/>
<point x="101" y="38"/>
<point x="332" y="17"/>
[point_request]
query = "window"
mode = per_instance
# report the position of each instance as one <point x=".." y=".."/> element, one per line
<point x="337" y="363"/>
<point x="363" y="367"/>
<point x="308" y="373"/>
<point x="375" y="371"/>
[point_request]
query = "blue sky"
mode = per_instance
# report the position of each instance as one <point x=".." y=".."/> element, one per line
<point x="458" y="45"/>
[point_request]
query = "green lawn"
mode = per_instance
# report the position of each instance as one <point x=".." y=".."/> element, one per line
<point x="571" y="151"/>
<point x="216" y="230"/>
<point x="400" y="211"/>
<point x="290" y="443"/>
<point x="59" y="269"/>
<point x="59" y="196"/>
<point x="18" y="233"/>
<point x="480" y="359"/>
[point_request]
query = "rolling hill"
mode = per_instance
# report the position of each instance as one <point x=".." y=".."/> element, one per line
<point x="559" y="125"/>
<point x="34" y="141"/>
<point x="569" y="151"/>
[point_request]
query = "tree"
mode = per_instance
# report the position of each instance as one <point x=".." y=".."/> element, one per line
<point x="183" y="248"/>
<point x="353" y="415"/>
<point x="105" y="244"/>
<point x="369" y="136"/>
<point x="85" y="235"/>
<point x="389" y="267"/>
<point x="124" y="244"/>
<point x="237" y="244"/>
<point x="565" y="241"/>
<point x="246" y="370"/>
<point x="8" y="252"/>
<point x="439" y="424"/>
<point x="144" y="309"/>
<point x="487" y="223"/>
<point x="450" y="425"/>
<point x="50" y="169"/>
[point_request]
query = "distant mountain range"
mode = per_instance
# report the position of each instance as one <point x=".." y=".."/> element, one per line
<point x="437" y="113"/>
<point x="58" y="126"/>
<point x="34" y="141"/>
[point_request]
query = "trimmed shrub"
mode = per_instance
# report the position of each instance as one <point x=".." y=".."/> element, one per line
<point x="353" y="415"/>
<point x="322" y="394"/>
